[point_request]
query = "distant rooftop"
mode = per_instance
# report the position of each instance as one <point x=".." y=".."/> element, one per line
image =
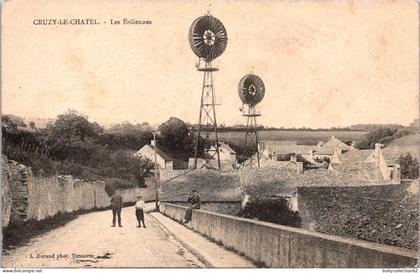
<point x="159" y="152"/>
<point x="329" y="147"/>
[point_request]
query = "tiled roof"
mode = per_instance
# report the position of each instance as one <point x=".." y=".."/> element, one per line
<point x="351" y="157"/>
<point x="354" y="164"/>
<point x="159" y="152"/>
<point x="329" y="147"/>
<point x="212" y="185"/>
<point x="269" y="163"/>
<point x="266" y="162"/>
<point x="305" y="149"/>
<point x="271" y="181"/>
<point x="226" y="147"/>
<point x="286" y="147"/>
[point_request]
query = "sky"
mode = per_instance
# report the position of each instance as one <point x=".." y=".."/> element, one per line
<point x="324" y="63"/>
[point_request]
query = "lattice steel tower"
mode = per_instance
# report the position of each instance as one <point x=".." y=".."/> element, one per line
<point x="251" y="91"/>
<point x="208" y="40"/>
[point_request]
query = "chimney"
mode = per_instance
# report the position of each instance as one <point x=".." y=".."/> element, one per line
<point x="396" y="173"/>
<point x="299" y="167"/>
<point x="260" y="146"/>
<point x="293" y="158"/>
<point x="378" y="151"/>
<point x="152" y="142"/>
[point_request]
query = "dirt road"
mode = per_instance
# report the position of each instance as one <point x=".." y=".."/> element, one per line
<point x="90" y="241"/>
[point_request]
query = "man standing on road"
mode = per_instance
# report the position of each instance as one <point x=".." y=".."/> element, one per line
<point x="116" y="204"/>
<point x="195" y="204"/>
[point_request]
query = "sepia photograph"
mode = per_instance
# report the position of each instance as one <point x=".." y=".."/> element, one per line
<point x="210" y="134"/>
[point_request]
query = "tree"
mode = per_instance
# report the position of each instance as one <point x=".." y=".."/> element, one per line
<point x="176" y="136"/>
<point x="126" y="128"/>
<point x="15" y="119"/>
<point x="409" y="166"/>
<point x="124" y="165"/>
<point x="127" y="136"/>
<point x="272" y="210"/>
<point x="381" y="135"/>
<point x="8" y="123"/>
<point x="73" y="125"/>
<point x="72" y="137"/>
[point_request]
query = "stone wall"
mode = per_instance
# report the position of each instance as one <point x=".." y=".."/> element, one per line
<point x="6" y="194"/>
<point x="26" y="197"/>
<point x="282" y="246"/>
<point x="384" y="214"/>
<point x="19" y="189"/>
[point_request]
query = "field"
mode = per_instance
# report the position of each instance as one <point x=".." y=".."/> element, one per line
<point x="301" y="137"/>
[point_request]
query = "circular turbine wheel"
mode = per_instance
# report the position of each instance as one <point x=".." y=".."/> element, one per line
<point x="208" y="37"/>
<point x="251" y="89"/>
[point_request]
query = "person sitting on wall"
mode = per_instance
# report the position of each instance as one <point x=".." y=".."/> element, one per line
<point x="116" y="204"/>
<point x="140" y="206"/>
<point x="195" y="200"/>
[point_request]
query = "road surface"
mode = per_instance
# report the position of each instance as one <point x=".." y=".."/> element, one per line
<point x="90" y="241"/>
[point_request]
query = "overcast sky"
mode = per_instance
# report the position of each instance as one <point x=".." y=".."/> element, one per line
<point x="324" y="64"/>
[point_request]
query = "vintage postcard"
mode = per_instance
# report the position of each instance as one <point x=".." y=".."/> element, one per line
<point x="210" y="134"/>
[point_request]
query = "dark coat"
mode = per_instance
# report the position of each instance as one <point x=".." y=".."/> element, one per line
<point x="116" y="201"/>
<point x="195" y="201"/>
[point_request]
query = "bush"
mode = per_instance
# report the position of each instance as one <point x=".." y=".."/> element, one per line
<point x="285" y="157"/>
<point x="384" y="135"/>
<point x="409" y="166"/>
<point x="111" y="185"/>
<point x="381" y="135"/>
<point x="272" y="210"/>
<point x="18" y="121"/>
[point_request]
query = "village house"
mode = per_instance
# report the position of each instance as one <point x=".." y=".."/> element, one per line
<point x="277" y="149"/>
<point x="370" y="164"/>
<point x="227" y="156"/>
<point x="286" y="154"/>
<point x="266" y="162"/>
<point x="162" y="159"/>
<point x="326" y="150"/>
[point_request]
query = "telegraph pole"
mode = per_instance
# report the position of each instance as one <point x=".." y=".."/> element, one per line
<point x="156" y="173"/>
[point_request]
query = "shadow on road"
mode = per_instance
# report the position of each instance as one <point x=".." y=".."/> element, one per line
<point x="16" y="235"/>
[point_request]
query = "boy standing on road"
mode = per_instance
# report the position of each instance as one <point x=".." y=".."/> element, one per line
<point x="116" y="204"/>
<point x="140" y="206"/>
